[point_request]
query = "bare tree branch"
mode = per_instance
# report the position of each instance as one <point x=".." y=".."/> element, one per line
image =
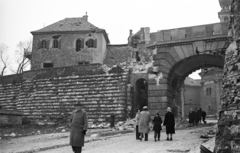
<point x="3" y="57"/>
<point x="24" y="49"/>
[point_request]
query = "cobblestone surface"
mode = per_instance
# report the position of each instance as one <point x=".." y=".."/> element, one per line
<point x="184" y="141"/>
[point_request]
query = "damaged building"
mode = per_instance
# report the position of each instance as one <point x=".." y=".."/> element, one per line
<point x="72" y="60"/>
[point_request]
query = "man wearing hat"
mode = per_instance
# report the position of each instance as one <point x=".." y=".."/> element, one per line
<point x="144" y="120"/>
<point x="78" y="128"/>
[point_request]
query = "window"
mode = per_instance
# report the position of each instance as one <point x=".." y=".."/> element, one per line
<point x="225" y="18"/>
<point x="79" y="44"/>
<point x="83" y="63"/>
<point x="44" y="44"/>
<point x="91" y="43"/>
<point x="209" y="91"/>
<point x="137" y="56"/>
<point x="55" y="43"/>
<point x="47" y="65"/>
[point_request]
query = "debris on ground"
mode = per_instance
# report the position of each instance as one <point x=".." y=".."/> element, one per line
<point x="209" y="134"/>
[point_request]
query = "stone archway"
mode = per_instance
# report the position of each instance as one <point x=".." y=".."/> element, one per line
<point x="182" y="69"/>
<point x="175" y="62"/>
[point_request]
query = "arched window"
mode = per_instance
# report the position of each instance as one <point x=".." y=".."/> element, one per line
<point x="89" y="43"/>
<point x="55" y="43"/>
<point x="44" y="44"/>
<point x="209" y="91"/>
<point x="79" y="44"/>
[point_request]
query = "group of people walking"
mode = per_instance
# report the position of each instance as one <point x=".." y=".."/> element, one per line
<point x="143" y="120"/>
<point x="196" y="116"/>
<point x="79" y="125"/>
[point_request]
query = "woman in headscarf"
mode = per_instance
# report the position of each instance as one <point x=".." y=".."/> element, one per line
<point x="157" y="121"/>
<point x="144" y="121"/>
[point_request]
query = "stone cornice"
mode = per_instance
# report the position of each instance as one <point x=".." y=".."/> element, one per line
<point x="187" y="41"/>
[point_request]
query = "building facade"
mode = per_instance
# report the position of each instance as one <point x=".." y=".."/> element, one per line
<point x="211" y="90"/>
<point x="69" y="42"/>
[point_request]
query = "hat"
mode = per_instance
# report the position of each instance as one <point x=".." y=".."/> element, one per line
<point x="78" y="104"/>
<point x="145" y="107"/>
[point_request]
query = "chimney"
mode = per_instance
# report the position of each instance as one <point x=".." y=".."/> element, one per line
<point x="130" y="34"/>
<point x="85" y="17"/>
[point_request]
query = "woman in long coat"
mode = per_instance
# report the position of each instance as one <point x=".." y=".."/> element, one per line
<point x="78" y="128"/>
<point x="144" y="120"/>
<point x="157" y="121"/>
<point x="169" y="122"/>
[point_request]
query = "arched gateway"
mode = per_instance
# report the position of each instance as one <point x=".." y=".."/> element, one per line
<point x="178" y="53"/>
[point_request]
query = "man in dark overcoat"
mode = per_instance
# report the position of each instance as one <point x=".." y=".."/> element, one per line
<point x="200" y="114"/>
<point x="191" y="117"/>
<point x="196" y="117"/>
<point x="204" y="114"/>
<point x="144" y="120"/>
<point x="78" y="128"/>
<point x="169" y="122"/>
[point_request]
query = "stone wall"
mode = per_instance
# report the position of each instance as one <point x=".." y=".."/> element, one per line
<point x="9" y="118"/>
<point x="228" y="134"/>
<point x="46" y="96"/>
<point x="192" y="98"/>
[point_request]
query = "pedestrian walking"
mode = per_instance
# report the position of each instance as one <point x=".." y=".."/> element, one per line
<point x="157" y="127"/>
<point x="169" y="122"/>
<point x="78" y="128"/>
<point x="204" y="114"/>
<point x="191" y="117"/>
<point x="199" y="114"/>
<point x="196" y="117"/>
<point x="144" y="120"/>
<point x="137" y="124"/>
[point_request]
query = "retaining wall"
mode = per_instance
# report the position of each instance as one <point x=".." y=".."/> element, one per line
<point x="50" y="98"/>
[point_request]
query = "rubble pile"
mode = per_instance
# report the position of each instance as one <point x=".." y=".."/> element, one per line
<point x="121" y="125"/>
<point x="181" y="123"/>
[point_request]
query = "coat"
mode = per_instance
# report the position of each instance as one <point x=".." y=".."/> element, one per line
<point x="204" y="114"/>
<point x="196" y="117"/>
<point x="169" y="122"/>
<point x="199" y="114"/>
<point x="78" y="123"/>
<point x="191" y="117"/>
<point x="157" y="121"/>
<point x="137" y="117"/>
<point x="144" y="120"/>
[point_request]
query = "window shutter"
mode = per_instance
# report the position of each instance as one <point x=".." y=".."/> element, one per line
<point x="48" y="43"/>
<point x="39" y="44"/>
<point x="95" y="43"/>
<point x="87" y="42"/>
<point x="59" y="44"/>
<point x="82" y="43"/>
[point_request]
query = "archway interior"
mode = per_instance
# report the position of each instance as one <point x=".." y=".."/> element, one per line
<point x="142" y="93"/>
<point x="182" y="69"/>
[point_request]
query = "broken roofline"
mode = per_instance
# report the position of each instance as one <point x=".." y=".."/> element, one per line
<point x="67" y="32"/>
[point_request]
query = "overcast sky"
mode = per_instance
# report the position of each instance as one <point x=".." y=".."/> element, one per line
<point x="19" y="17"/>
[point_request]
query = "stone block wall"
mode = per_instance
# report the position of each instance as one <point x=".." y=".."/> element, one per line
<point x="9" y="118"/>
<point x="46" y="100"/>
<point x="228" y="133"/>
